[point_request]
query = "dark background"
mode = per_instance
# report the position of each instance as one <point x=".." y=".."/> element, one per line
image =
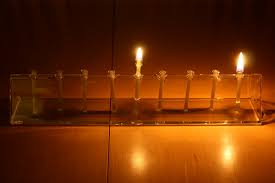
<point x="177" y="35"/>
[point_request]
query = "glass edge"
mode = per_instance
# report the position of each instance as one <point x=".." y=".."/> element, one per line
<point x="126" y="75"/>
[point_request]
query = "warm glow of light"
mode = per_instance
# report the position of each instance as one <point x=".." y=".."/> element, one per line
<point x="138" y="161"/>
<point x="227" y="154"/>
<point x="240" y="64"/>
<point x="139" y="54"/>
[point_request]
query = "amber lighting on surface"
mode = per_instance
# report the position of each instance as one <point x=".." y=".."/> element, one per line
<point x="138" y="161"/>
<point x="227" y="154"/>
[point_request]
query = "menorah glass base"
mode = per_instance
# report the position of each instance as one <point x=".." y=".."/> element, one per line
<point x="141" y="112"/>
<point x="146" y="112"/>
<point x="103" y="100"/>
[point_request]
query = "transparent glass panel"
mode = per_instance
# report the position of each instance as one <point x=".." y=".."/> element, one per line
<point x="127" y="100"/>
<point x="54" y="101"/>
<point x="147" y="111"/>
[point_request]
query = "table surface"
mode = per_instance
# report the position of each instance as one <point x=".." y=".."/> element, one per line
<point x="138" y="154"/>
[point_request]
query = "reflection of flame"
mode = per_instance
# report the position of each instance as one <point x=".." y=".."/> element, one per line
<point x="138" y="161"/>
<point x="240" y="64"/>
<point x="139" y="54"/>
<point x="227" y="153"/>
<point x="228" y="156"/>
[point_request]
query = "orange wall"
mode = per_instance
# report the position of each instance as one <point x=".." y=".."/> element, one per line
<point x="177" y="34"/>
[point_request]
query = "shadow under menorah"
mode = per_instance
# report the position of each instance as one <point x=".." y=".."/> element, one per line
<point x="113" y="99"/>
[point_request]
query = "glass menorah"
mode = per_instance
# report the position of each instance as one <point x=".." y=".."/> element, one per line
<point x="113" y="99"/>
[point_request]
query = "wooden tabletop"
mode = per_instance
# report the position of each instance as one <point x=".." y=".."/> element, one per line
<point x="138" y="154"/>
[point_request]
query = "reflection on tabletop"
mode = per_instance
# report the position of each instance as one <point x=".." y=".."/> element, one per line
<point x="269" y="112"/>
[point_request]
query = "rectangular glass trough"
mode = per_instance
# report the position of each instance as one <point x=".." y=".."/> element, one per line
<point x="79" y="99"/>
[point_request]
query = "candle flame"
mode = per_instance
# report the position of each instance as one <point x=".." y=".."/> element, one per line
<point x="139" y="54"/>
<point x="240" y="64"/>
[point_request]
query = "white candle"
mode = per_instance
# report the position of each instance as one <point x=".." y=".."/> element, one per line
<point x="59" y="77"/>
<point x="138" y="76"/>
<point x="112" y="75"/>
<point x="190" y="75"/>
<point x="33" y="77"/>
<point x="214" y="85"/>
<point x="239" y="76"/>
<point x="84" y="89"/>
<point x="161" y="77"/>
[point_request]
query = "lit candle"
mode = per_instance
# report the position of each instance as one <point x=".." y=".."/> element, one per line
<point x="139" y="58"/>
<point x="59" y="77"/>
<point x="33" y="77"/>
<point x="84" y="89"/>
<point x="112" y="75"/>
<point x="138" y="76"/>
<point x="214" y="85"/>
<point x="161" y="77"/>
<point x="189" y="76"/>
<point x="239" y="76"/>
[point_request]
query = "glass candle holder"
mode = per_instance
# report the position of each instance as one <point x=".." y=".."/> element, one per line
<point x="102" y="95"/>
